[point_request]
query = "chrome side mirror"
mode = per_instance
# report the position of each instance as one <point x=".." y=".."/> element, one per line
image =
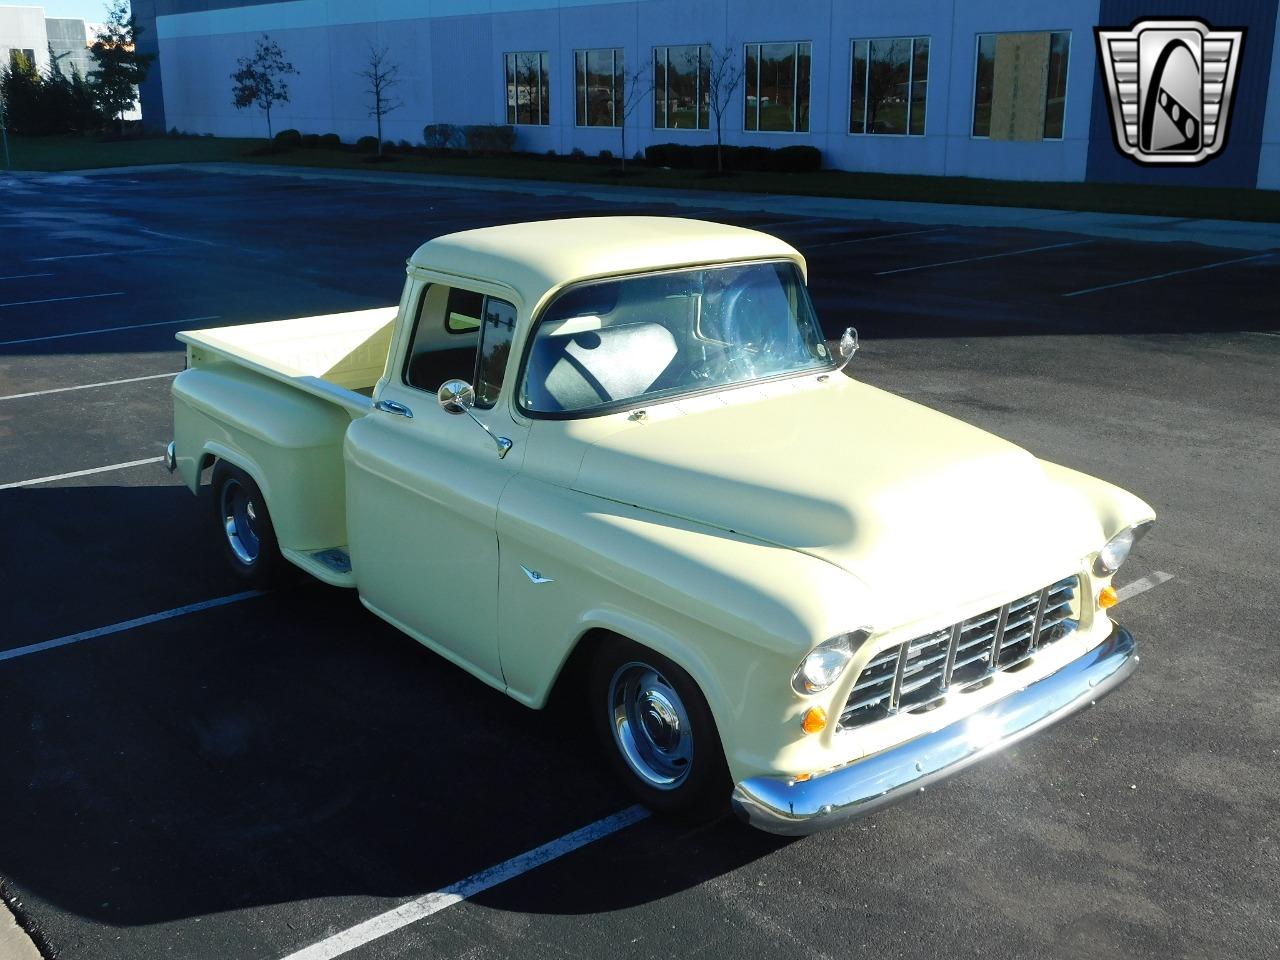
<point x="848" y="346"/>
<point x="458" y="396"/>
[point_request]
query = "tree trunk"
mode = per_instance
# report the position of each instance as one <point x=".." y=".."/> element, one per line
<point x="719" y="156"/>
<point x="270" y="139"/>
<point x="378" y="111"/>
<point x="623" y="128"/>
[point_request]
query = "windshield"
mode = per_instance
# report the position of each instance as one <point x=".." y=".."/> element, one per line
<point x="600" y="345"/>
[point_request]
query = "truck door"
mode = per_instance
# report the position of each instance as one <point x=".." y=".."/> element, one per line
<point x="423" y="485"/>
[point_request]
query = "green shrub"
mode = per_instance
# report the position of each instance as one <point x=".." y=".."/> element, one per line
<point x="490" y="138"/>
<point x="794" y="159"/>
<point x="330" y="140"/>
<point x="367" y="145"/>
<point x="311" y="140"/>
<point x="288" y="138"/>
<point x="443" y="136"/>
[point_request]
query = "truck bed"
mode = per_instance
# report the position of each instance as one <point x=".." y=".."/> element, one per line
<point x="337" y="357"/>
<point x="276" y="399"/>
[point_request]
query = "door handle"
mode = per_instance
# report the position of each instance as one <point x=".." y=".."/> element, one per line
<point x="391" y="406"/>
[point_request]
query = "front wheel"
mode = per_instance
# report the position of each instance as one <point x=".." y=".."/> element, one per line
<point x="657" y="730"/>
<point x="244" y="526"/>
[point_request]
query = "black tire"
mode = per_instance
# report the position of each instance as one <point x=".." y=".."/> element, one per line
<point x="699" y="786"/>
<point x="244" y="526"/>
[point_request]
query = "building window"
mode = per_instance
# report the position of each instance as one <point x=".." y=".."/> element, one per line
<point x="890" y="86"/>
<point x="681" y="78"/>
<point x="1020" y="85"/>
<point x="778" y="87"/>
<point x="528" y="89"/>
<point x="599" y="87"/>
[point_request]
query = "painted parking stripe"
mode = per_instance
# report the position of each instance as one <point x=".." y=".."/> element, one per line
<point x="86" y="386"/>
<point x="425" y="906"/>
<point x="83" y="296"/>
<point x="79" y="473"/>
<point x="174" y="236"/>
<point x="1131" y="590"/>
<point x="879" y="236"/>
<point x="104" y="253"/>
<point x="44" y="645"/>
<point x="1161" y="276"/>
<point x="989" y="256"/>
<point x="26" y="276"/>
<point x="86" y="333"/>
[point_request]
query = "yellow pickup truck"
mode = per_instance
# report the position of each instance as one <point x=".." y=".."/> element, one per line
<point x="616" y="456"/>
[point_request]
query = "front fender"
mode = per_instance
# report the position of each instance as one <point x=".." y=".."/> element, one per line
<point x="737" y="614"/>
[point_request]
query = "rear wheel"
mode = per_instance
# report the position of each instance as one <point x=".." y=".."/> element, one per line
<point x="244" y="526"/>
<point x="657" y="730"/>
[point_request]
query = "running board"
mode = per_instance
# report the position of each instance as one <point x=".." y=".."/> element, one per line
<point x="332" y="564"/>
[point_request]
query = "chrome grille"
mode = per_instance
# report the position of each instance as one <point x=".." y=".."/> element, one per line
<point x="918" y="674"/>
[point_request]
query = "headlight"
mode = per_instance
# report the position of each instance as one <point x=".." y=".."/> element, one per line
<point x="825" y="662"/>
<point x="1116" y="551"/>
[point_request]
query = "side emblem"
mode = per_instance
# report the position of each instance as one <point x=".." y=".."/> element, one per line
<point x="534" y="576"/>
<point x="1170" y="85"/>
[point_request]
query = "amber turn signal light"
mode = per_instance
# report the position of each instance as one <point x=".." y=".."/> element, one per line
<point x="1107" y="597"/>
<point x="815" y="720"/>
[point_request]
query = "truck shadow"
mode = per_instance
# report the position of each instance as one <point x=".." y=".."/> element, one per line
<point x="274" y="750"/>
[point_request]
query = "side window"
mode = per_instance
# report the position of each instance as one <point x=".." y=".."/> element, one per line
<point x="495" y="347"/>
<point x="462" y="312"/>
<point x="444" y="336"/>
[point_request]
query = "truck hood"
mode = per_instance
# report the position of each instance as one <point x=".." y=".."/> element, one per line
<point x="926" y="511"/>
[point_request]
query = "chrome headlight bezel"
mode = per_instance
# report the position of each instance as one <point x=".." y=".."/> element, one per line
<point x="826" y="663"/>
<point x="1117" y="550"/>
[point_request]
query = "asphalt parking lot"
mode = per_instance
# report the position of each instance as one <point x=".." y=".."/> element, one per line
<point x="253" y="778"/>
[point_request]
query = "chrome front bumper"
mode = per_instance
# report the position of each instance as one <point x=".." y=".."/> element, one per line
<point x="782" y="805"/>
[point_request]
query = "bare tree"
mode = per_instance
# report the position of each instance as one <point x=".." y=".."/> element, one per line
<point x="381" y="75"/>
<point x="260" y="79"/>
<point x="723" y="79"/>
<point x="636" y="87"/>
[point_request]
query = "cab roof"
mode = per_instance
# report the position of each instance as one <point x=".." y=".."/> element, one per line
<point x="537" y="257"/>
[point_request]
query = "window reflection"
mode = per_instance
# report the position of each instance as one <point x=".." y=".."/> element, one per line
<point x="1020" y="88"/>
<point x="890" y="84"/>
<point x="528" y="88"/>
<point x="778" y="80"/>
<point x="599" y="81"/>
<point x="680" y="92"/>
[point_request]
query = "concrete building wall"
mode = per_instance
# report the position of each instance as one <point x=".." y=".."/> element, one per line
<point x="450" y="54"/>
<point x="22" y="28"/>
<point x="1269" y="149"/>
<point x="70" y="44"/>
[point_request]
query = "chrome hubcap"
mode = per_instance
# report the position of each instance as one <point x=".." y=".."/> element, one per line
<point x="239" y="521"/>
<point x="651" y="726"/>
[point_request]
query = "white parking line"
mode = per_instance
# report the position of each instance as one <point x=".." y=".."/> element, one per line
<point x="989" y="256"/>
<point x="104" y="253"/>
<point x="79" y="473"/>
<point x="174" y="236"/>
<point x="1131" y="590"/>
<point x="85" y="387"/>
<point x="85" y="333"/>
<point x="26" y="276"/>
<point x="84" y="296"/>
<point x="425" y="906"/>
<point x="1161" y="276"/>
<point x="43" y="645"/>
<point x="879" y="236"/>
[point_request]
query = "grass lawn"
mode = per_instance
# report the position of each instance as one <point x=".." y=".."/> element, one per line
<point x="79" y="153"/>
